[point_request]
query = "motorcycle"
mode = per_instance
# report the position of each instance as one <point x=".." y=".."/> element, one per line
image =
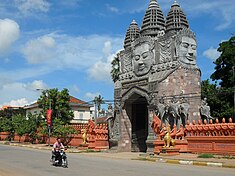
<point x="60" y="159"/>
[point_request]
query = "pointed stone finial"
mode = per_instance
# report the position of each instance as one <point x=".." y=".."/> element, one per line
<point x="175" y="3"/>
<point x="133" y="22"/>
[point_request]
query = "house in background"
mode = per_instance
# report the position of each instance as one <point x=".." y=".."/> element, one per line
<point x="9" y="107"/>
<point x="81" y="110"/>
<point x="32" y="108"/>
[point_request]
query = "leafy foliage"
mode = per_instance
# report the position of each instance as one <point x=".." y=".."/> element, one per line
<point x="58" y="102"/>
<point x="65" y="132"/>
<point x="224" y="69"/>
<point x="33" y="123"/>
<point x="115" y="68"/>
<point x="220" y="96"/>
<point x="217" y="98"/>
<point x="20" y="124"/>
<point x="6" y="125"/>
<point x="9" y="112"/>
<point x="98" y="101"/>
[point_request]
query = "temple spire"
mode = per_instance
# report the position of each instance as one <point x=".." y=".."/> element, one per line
<point x="153" y="20"/>
<point x="132" y="33"/>
<point x="176" y="19"/>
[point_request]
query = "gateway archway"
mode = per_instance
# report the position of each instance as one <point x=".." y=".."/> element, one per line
<point x="137" y="111"/>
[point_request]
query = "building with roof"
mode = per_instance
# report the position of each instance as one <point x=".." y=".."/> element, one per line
<point x="81" y="110"/>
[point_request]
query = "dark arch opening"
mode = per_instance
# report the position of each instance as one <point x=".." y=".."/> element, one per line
<point x="137" y="111"/>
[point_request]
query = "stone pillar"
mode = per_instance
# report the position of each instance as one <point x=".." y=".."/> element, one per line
<point x="124" y="143"/>
<point x="151" y="135"/>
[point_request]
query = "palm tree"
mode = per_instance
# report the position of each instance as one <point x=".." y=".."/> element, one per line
<point x="98" y="101"/>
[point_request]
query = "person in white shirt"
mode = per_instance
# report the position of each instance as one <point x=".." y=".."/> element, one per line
<point x="57" y="146"/>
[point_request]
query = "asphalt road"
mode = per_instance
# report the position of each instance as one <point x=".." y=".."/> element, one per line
<point x="18" y="161"/>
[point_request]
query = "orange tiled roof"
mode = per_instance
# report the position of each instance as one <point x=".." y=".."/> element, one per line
<point x="72" y="100"/>
<point x="9" y="107"/>
<point x="75" y="100"/>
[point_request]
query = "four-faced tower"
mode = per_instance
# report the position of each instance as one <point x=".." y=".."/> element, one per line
<point x="157" y="72"/>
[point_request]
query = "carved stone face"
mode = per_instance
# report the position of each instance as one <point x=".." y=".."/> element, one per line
<point x="142" y="59"/>
<point x="187" y="51"/>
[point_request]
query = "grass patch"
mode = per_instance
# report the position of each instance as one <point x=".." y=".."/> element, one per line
<point x="140" y="159"/>
<point x="208" y="155"/>
<point x="205" y="155"/>
<point x="227" y="157"/>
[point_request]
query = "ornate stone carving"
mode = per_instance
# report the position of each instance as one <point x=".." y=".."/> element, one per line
<point x="186" y="48"/>
<point x="156" y="123"/>
<point x="143" y="56"/>
<point x="205" y="110"/>
<point x="168" y="140"/>
<point x="165" y="51"/>
<point x="150" y="67"/>
<point x="126" y="61"/>
<point x="84" y="136"/>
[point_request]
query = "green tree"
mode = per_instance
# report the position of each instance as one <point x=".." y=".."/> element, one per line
<point x="98" y="101"/>
<point x="6" y="125"/>
<point x="20" y="124"/>
<point x="216" y="99"/>
<point x="58" y="102"/>
<point x="224" y="69"/>
<point x="33" y="124"/>
<point x="115" y="68"/>
<point x="10" y="112"/>
<point x="66" y="132"/>
<point x="220" y="95"/>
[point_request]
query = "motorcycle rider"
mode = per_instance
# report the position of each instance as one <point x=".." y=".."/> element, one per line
<point x="56" y="149"/>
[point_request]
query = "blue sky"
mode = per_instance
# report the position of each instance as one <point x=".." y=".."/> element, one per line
<point x="70" y="43"/>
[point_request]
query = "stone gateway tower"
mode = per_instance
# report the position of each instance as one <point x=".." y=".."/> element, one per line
<point x="157" y="72"/>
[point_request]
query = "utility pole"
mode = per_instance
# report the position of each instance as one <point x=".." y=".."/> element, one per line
<point x="95" y="115"/>
<point x="48" y="111"/>
<point x="233" y="95"/>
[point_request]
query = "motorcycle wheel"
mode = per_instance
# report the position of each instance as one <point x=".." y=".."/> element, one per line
<point x="53" y="161"/>
<point x="65" y="163"/>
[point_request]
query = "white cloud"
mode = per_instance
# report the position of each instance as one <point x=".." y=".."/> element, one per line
<point x="9" y="33"/>
<point x="73" y="90"/>
<point x="222" y="11"/>
<point x="70" y="3"/>
<point x="57" y="51"/>
<point x="211" y="53"/>
<point x="101" y="69"/>
<point x="39" y="50"/>
<point x="112" y="8"/>
<point x="20" y="94"/>
<point x="29" y="6"/>
<point x="78" y="53"/>
<point x="18" y="103"/>
<point x="107" y="48"/>
<point x="10" y="76"/>
<point x="91" y="96"/>
<point x="37" y="84"/>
